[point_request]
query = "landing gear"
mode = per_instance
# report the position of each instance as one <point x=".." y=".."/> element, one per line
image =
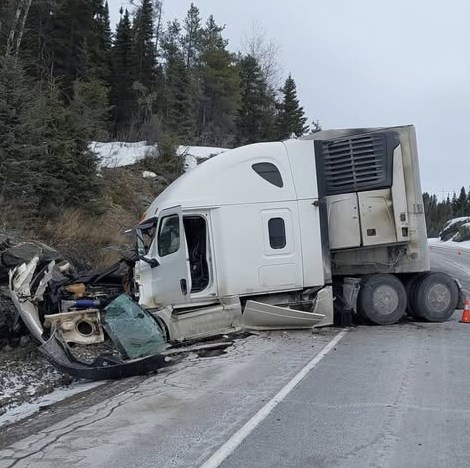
<point x="433" y="296"/>
<point x="382" y="299"/>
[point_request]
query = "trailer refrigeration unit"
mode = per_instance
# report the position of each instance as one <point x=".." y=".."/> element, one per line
<point x="279" y="235"/>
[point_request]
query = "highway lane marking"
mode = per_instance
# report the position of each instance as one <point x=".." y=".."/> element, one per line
<point x="231" y="445"/>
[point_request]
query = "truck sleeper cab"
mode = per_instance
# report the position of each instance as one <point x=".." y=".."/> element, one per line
<point x="259" y="236"/>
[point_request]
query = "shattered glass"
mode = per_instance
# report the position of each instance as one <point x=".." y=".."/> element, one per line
<point x="133" y="329"/>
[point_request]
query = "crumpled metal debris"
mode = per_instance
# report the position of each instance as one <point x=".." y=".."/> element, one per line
<point x="78" y="326"/>
<point x="57" y="314"/>
<point x="103" y="368"/>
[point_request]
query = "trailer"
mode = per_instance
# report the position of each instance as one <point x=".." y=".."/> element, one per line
<point x="293" y="234"/>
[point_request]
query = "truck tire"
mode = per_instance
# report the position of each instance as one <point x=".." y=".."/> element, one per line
<point x="410" y="290"/>
<point x="382" y="299"/>
<point x="435" y="297"/>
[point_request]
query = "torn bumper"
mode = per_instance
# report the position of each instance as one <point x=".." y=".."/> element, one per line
<point x="103" y="368"/>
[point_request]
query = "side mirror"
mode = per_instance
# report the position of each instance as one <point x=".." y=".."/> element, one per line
<point x="153" y="262"/>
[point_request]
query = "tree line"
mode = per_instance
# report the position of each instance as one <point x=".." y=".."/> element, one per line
<point x="67" y="78"/>
<point x="438" y="212"/>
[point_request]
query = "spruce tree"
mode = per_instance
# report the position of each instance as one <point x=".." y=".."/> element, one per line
<point x="71" y="39"/>
<point x="123" y="97"/>
<point x="192" y="39"/>
<point x="179" y="112"/>
<point x="291" y="118"/>
<point x="219" y="85"/>
<point x="143" y="45"/>
<point x="461" y="203"/>
<point x="21" y="167"/>
<point x="101" y="40"/>
<point x="255" y="117"/>
<point x="69" y="177"/>
<point x="74" y="45"/>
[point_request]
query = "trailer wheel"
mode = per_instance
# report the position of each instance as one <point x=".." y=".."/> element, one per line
<point x="382" y="299"/>
<point x="410" y="291"/>
<point x="435" y="297"/>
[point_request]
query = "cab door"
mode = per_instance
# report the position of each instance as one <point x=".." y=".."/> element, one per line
<point x="171" y="280"/>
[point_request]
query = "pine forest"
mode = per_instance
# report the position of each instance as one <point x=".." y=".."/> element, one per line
<point x="68" y="78"/>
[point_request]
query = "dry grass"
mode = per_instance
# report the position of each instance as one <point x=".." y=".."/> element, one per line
<point x="89" y="242"/>
<point x="95" y="242"/>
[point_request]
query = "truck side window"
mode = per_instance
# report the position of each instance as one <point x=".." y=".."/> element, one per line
<point x="277" y="233"/>
<point x="145" y="233"/>
<point x="169" y="235"/>
<point x="269" y="172"/>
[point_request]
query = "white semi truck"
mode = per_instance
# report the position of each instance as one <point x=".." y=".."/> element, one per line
<point x="285" y="234"/>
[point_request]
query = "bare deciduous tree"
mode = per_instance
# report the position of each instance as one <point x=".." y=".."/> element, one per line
<point x="266" y="52"/>
<point x="17" y="27"/>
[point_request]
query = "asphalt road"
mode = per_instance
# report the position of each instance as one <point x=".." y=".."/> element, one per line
<point x="388" y="397"/>
<point x="395" y="397"/>
<point x="453" y="261"/>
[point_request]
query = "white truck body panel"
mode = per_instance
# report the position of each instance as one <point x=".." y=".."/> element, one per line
<point x="257" y="223"/>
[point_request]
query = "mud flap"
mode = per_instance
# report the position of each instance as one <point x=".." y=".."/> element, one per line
<point x="460" y="303"/>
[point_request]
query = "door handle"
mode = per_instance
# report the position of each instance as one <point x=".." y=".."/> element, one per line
<point x="184" y="286"/>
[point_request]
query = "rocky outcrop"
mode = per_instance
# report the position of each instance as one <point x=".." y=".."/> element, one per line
<point x="457" y="230"/>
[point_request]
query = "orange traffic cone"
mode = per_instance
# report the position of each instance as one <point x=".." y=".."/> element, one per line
<point x="466" y="312"/>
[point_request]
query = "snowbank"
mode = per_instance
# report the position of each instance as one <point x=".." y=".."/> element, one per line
<point x="452" y="222"/>
<point x="459" y="247"/>
<point x="455" y="236"/>
<point x="118" y="153"/>
<point x="457" y="229"/>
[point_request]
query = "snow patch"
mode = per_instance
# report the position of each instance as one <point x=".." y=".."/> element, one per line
<point x="192" y="154"/>
<point x="25" y="410"/>
<point x="463" y="219"/>
<point x="450" y="244"/>
<point x="117" y="153"/>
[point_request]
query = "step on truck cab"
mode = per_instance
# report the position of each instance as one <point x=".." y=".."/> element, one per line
<point x="279" y="235"/>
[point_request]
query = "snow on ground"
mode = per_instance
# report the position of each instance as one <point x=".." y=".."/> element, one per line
<point x="24" y="376"/>
<point x="453" y="221"/>
<point x="118" y="153"/>
<point x="436" y="242"/>
<point x="192" y="154"/>
<point x="24" y="410"/>
<point x="28" y="383"/>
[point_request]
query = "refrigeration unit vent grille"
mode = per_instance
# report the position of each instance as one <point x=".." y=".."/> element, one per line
<point x="361" y="162"/>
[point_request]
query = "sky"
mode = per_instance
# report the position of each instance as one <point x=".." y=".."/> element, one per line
<point x="368" y="63"/>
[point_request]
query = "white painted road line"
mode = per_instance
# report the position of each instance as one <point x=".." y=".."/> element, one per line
<point x="229" y="447"/>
